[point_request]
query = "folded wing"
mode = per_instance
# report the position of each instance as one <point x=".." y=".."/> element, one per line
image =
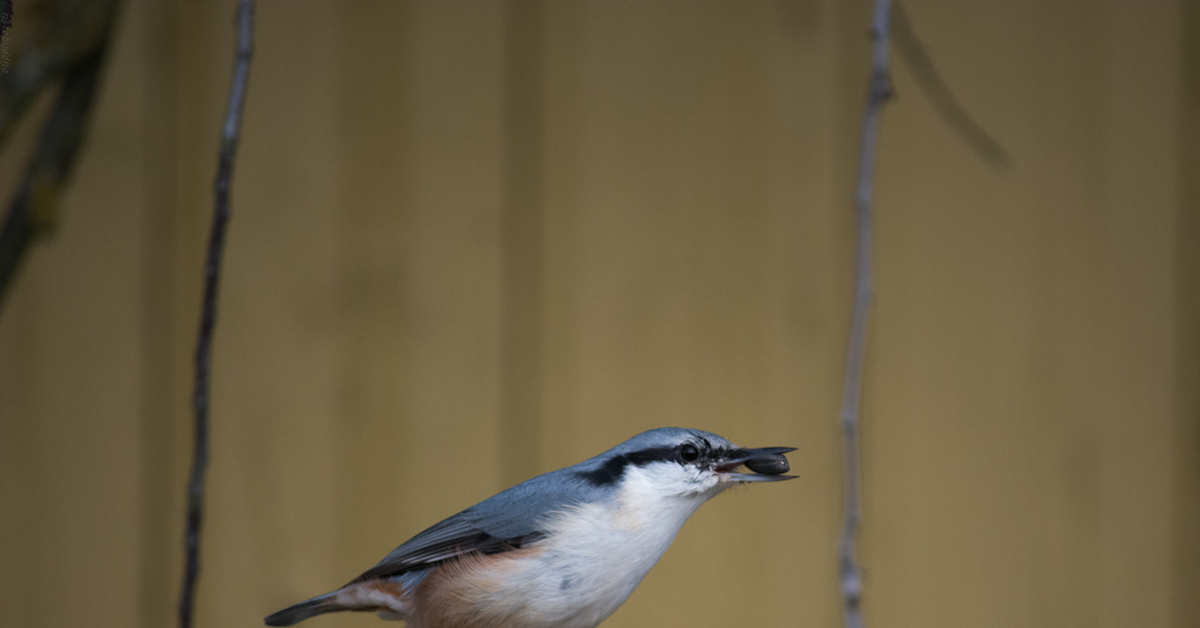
<point x="507" y="521"/>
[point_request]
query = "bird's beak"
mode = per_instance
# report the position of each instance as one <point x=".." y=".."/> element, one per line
<point x="767" y="463"/>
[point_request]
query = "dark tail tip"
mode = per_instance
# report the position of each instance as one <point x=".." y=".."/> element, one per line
<point x="299" y="612"/>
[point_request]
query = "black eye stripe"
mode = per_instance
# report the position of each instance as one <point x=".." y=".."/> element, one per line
<point x="671" y="454"/>
<point x="654" y="454"/>
<point x="614" y="468"/>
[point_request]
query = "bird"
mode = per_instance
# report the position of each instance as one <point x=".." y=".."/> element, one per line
<point x="562" y="550"/>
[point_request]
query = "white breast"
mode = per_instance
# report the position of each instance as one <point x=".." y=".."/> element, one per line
<point x="595" y="555"/>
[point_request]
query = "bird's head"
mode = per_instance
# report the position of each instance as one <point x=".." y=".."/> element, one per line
<point x="677" y="462"/>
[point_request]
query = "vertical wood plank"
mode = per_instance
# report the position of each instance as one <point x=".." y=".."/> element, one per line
<point x="523" y="232"/>
<point x="1186" y="470"/>
<point x="689" y="277"/>
<point x="164" y="405"/>
<point x="420" y="266"/>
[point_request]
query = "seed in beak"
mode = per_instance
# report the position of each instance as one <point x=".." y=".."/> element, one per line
<point x="773" y="464"/>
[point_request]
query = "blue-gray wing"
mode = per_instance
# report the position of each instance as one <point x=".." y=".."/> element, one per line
<point x="504" y="522"/>
<point x="447" y="540"/>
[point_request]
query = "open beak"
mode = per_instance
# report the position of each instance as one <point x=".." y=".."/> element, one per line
<point x="768" y="464"/>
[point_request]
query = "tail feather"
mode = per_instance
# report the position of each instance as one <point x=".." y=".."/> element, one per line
<point x="309" y="608"/>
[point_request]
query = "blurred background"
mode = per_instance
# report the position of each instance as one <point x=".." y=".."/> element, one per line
<point x="476" y="241"/>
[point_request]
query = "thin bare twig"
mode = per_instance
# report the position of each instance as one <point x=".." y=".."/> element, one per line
<point x="212" y="269"/>
<point x="952" y="112"/>
<point x="850" y="572"/>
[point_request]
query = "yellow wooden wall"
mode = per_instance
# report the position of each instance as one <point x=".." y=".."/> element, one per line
<point x="475" y="241"/>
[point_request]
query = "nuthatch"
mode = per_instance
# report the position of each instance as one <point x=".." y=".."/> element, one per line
<point x="561" y="550"/>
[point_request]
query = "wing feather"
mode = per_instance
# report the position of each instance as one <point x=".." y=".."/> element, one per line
<point x="504" y="522"/>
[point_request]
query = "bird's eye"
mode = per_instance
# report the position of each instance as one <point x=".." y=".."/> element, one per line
<point x="689" y="453"/>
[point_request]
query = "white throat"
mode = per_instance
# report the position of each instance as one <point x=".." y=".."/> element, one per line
<point x="596" y="554"/>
